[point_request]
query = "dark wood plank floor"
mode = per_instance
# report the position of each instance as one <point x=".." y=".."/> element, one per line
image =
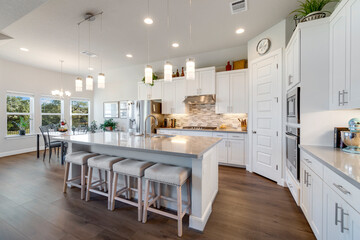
<point x="32" y="206"/>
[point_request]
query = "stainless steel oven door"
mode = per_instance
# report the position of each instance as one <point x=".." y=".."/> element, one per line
<point x="292" y="154"/>
<point x="292" y="106"/>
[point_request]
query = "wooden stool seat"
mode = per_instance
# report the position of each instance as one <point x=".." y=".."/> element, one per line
<point x="169" y="175"/>
<point x="129" y="168"/>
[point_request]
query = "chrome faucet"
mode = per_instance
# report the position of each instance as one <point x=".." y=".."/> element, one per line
<point x="156" y="123"/>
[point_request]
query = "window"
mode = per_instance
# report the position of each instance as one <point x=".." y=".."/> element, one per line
<point x="79" y="111"/>
<point x="52" y="111"/>
<point x="19" y="113"/>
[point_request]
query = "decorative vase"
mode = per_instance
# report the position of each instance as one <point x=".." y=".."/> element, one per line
<point x="109" y="128"/>
<point x="22" y="132"/>
<point x="313" y="16"/>
<point x="228" y="66"/>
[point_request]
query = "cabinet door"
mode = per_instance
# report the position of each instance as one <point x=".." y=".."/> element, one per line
<point x="168" y="101"/>
<point x="236" y="152"/>
<point x="353" y="54"/>
<point x="337" y="59"/>
<point x="222" y="151"/>
<point x="143" y="91"/>
<point x="207" y="82"/>
<point x="297" y="60"/>
<point x="289" y="59"/>
<point x="316" y="203"/>
<point x="305" y="191"/>
<point x="238" y="92"/>
<point x="180" y="93"/>
<point x="192" y="86"/>
<point x="156" y="90"/>
<point x="222" y="93"/>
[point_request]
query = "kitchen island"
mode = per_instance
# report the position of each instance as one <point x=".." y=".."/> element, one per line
<point x="197" y="153"/>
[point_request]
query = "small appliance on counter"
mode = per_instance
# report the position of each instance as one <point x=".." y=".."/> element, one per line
<point x="338" y="143"/>
<point x="351" y="138"/>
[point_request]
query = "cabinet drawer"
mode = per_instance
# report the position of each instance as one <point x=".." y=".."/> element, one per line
<point x="343" y="188"/>
<point x="236" y="136"/>
<point x="220" y="135"/>
<point x="312" y="163"/>
<point x="294" y="188"/>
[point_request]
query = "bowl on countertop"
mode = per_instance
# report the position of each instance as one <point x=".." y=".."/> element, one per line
<point x="352" y="141"/>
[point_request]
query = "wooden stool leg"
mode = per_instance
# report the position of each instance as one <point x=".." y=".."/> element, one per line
<point x="89" y="183"/>
<point x="100" y="178"/>
<point x="113" y="192"/>
<point x="159" y="195"/>
<point x="153" y="193"/>
<point x="66" y="176"/>
<point x="188" y="195"/>
<point x="179" y="211"/>
<point x="106" y="181"/>
<point x="139" y="198"/>
<point x="83" y="183"/>
<point x="128" y="186"/>
<point x="109" y="185"/>
<point x="146" y="200"/>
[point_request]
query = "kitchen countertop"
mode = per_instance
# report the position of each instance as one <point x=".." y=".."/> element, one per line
<point x="344" y="164"/>
<point x="229" y="130"/>
<point x="183" y="146"/>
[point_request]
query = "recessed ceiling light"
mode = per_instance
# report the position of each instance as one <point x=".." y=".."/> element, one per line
<point x="129" y="55"/>
<point x="90" y="68"/>
<point x="240" y="30"/>
<point x="148" y="20"/>
<point x="175" y="45"/>
<point x="24" y="49"/>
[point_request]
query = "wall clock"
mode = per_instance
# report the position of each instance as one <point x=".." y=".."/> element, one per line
<point x="263" y="46"/>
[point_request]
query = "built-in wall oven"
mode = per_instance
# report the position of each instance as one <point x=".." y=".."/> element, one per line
<point x="292" y="151"/>
<point x="293" y="106"/>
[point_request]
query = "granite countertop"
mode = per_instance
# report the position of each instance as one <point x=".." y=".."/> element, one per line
<point x="346" y="165"/>
<point x="230" y="130"/>
<point x="183" y="146"/>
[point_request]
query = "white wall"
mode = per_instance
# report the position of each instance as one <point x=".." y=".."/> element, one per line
<point x="121" y="84"/>
<point x="39" y="82"/>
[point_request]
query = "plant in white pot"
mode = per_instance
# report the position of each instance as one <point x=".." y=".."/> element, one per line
<point x="312" y="9"/>
<point x="23" y="125"/>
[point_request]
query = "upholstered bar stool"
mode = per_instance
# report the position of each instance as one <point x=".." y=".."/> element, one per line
<point x="78" y="158"/>
<point x="101" y="162"/>
<point x="129" y="168"/>
<point x="169" y="175"/>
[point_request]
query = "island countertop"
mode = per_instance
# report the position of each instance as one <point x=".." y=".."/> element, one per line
<point x="183" y="146"/>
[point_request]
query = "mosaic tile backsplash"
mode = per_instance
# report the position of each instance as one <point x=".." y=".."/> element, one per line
<point x="204" y="115"/>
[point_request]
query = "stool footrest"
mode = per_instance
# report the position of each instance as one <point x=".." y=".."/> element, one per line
<point x="99" y="192"/>
<point x="127" y="201"/>
<point x="166" y="214"/>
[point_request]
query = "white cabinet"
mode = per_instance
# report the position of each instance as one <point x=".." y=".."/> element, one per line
<point x="173" y="96"/>
<point x="203" y="84"/>
<point x="345" y="57"/>
<point x="231" y="92"/>
<point x="236" y="152"/>
<point x="292" y="61"/>
<point x="147" y="92"/>
<point x="231" y="150"/>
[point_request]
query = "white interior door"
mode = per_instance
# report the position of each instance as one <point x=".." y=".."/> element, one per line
<point x="266" y="120"/>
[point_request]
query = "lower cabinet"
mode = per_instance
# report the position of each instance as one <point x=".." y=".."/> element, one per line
<point x="231" y="150"/>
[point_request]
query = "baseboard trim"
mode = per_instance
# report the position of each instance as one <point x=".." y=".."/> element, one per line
<point x="20" y="151"/>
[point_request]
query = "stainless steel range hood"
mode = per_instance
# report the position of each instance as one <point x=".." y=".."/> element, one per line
<point x="203" y="99"/>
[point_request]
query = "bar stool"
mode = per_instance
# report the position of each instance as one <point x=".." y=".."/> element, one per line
<point x="101" y="162"/>
<point x="169" y="175"/>
<point x="78" y="158"/>
<point x="129" y="168"/>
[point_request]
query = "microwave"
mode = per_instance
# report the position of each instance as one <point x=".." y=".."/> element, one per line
<point x="293" y="106"/>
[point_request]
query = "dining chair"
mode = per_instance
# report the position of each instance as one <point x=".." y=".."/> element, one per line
<point x="48" y="144"/>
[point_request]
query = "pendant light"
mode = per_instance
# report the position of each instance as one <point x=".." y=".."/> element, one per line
<point x="101" y="76"/>
<point x="60" y="93"/>
<point x="148" y="68"/>
<point x="78" y="81"/>
<point x="89" y="78"/>
<point x="168" y="66"/>
<point x="190" y="62"/>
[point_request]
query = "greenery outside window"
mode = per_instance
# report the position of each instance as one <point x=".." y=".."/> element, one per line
<point x="19" y="106"/>
<point x="52" y="110"/>
<point x="79" y="112"/>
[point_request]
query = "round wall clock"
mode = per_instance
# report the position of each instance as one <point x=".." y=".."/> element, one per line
<point x="263" y="46"/>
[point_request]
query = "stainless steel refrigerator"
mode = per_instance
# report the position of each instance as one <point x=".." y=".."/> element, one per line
<point x="137" y="113"/>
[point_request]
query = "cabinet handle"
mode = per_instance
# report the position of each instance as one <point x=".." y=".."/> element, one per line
<point x="342" y="189"/>
<point x="343" y="97"/>
<point x="342" y="220"/>
<point x="308" y="161"/>
<point x="336" y="213"/>
<point x="254" y="132"/>
<point x="307" y="180"/>
<point x="289" y="79"/>
<point x="305" y="177"/>
<point x="340" y="103"/>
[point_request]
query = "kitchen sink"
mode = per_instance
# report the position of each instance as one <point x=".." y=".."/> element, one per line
<point x="162" y="136"/>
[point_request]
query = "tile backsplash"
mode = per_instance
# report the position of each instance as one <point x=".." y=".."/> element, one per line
<point x="204" y="115"/>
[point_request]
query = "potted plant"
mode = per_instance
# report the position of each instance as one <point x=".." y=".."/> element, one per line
<point x="155" y="77"/>
<point x="108" y="125"/>
<point x="23" y="125"/>
<point x="93" y="126"/>
<point x="311" y="10"/>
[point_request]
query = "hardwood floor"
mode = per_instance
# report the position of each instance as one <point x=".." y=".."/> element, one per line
<point x="32" y="206"/>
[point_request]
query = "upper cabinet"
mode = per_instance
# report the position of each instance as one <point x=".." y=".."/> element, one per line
<point x="173" y="97"/>
<point x="203" y="84"/>
<point x="146" y="92"/>
<point x="345" y="57"/>
<point x="231" y="92"/>
<point x="292" y="60"/>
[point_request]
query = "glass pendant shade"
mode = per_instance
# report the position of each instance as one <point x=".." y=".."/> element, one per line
<point x="148" y="74"/>
<point x="101" y="80"/>
<point x="67" y="93"/>
<point x="190" y="69"/>
<point x="89" y="83"/>
<point x="168" y="72"/>
<point x="78" y="84"/>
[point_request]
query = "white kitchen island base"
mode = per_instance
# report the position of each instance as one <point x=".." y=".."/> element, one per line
<point x="196" y="153"/>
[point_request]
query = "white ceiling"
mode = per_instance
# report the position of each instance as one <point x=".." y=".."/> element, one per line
<point x="50" y="31"/>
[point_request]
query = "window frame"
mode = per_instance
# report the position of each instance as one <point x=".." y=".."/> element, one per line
<point x="80" y="114"/>
<point x="52" y="114"/>
<point x="30" y="114"/>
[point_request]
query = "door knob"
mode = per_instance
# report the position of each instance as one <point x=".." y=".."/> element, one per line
<point x="254" y="132"/>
